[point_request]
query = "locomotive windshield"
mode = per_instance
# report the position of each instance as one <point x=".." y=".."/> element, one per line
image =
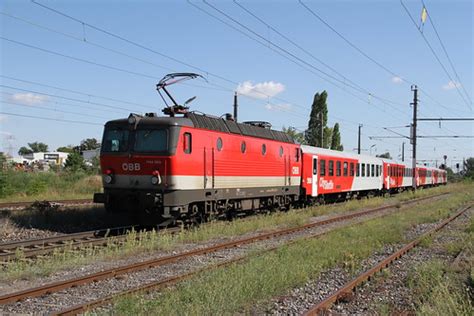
<point x="151" y="140"/>
<point x="115" y="140"/>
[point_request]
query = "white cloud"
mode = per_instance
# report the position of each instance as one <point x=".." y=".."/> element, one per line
<point x="451" y="85"/>
<point x="397" y="80"/>
<point x="285" y="107"/>
<point x="29" y="98"/>
<point x="262" y="90"/>
<point x="3" y="118"/>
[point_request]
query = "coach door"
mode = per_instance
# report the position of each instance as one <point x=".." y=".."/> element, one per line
<point x="208" y="168"/>
<point x="315" y="176"/>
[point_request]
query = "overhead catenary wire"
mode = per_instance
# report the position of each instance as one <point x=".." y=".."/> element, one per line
<point x="50" y="119"/>
<point x="435" y="55"/>
<point x="290" y="54"/>
<point x="208" y="73"/>
<point x="367" y="56"/>
<point x="430" y="19"/>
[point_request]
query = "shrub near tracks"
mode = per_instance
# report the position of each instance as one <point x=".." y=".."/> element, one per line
<point x="16" y="186"/>
<point x="226" y="291"/>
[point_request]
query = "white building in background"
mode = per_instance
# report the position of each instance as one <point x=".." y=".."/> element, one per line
<point x="88" y="155"/>
<point x="56" y="157"/>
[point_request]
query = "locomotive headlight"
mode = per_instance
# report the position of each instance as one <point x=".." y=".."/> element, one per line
<point x="109" y="176"/>
<point x="108" y="179"/>
<point x="156" y="178"/>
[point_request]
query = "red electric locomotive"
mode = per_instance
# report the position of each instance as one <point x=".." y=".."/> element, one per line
<point x="195" y="166"/>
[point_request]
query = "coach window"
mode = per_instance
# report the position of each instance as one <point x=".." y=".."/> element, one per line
<point x="243" y="147"/>
<point x="281" y="151"/>
<point x="331" y="168"/>
<point x="362" y="169"/>
<point x="378" y="170"/>
<point x="219" y="144"/>
<point x="322" y="167"/>
<point x="372" y="170"/>
<point x="357" y="169"/>
<point x="338" y="168"/>
<point x="187" y="146"/>
<point x="368" y="170"/>
<point x="345" y="169"/>
<point x="352" y="170"/>
<point x="264" y="149"/>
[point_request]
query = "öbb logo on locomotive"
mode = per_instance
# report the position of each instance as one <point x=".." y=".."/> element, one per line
<point x="131" y="166"/>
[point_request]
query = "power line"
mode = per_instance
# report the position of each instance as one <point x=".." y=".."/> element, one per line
<point x="83" y="23"/>
<point x="219" y="87"/>
<point x="67" y="98"/>
<point x="446" y="52"/>
<point x="50" y="119"/>
<point x="73" y="91"/>
<point x="49" y="109"/>
<point x="363" y="53"/>
<point x="435" y="55"/>
<point x="361" y="90"/>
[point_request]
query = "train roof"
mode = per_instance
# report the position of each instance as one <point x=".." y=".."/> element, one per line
<point x="336" y="153"/>
<point x="211" y="123"/>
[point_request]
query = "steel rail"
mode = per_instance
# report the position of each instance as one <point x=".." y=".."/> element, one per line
<point x="160" y="284"/>
<point x="36" y="247"/>
<point x="322" y="307"/>
<point x="7" y="205"/>
<point x="111" y="273"/>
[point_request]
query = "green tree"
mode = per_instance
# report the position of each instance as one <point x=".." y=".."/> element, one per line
<point x="24" y="151"/>
<point x="336" y="138"/>
<point x="469" y="168"/>
<point x="74" y="162"/>
<point x="65" y="149"/>
<point x="385" y="155"/>
<point x="319" y="110"/>
<point x="89" y="144"/>
<point x="293" y="133"/>
<point x="37" y="147"/>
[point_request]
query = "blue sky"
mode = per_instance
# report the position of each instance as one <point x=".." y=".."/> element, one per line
<point x="272" y="87"/>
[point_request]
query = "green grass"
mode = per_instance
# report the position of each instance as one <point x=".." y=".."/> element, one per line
<point x="438" y="290"/>
<point x="239" y="287"/>
<point x="151" y="241"/>
<point x="16" y="186"/>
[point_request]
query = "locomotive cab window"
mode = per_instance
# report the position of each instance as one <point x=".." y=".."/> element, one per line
<point x="281" y="151"/>
<point x="151" y="140"/>
<point x="115" y="140"/>
<point x="187" y="145"/>
<point x="264" y="149"/>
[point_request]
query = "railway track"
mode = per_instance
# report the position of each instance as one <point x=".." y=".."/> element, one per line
<point x="43" y="246"/>
<point x="152" y="263"/>
<point x="323" y="307"/>
<point x="21" y="205"/>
